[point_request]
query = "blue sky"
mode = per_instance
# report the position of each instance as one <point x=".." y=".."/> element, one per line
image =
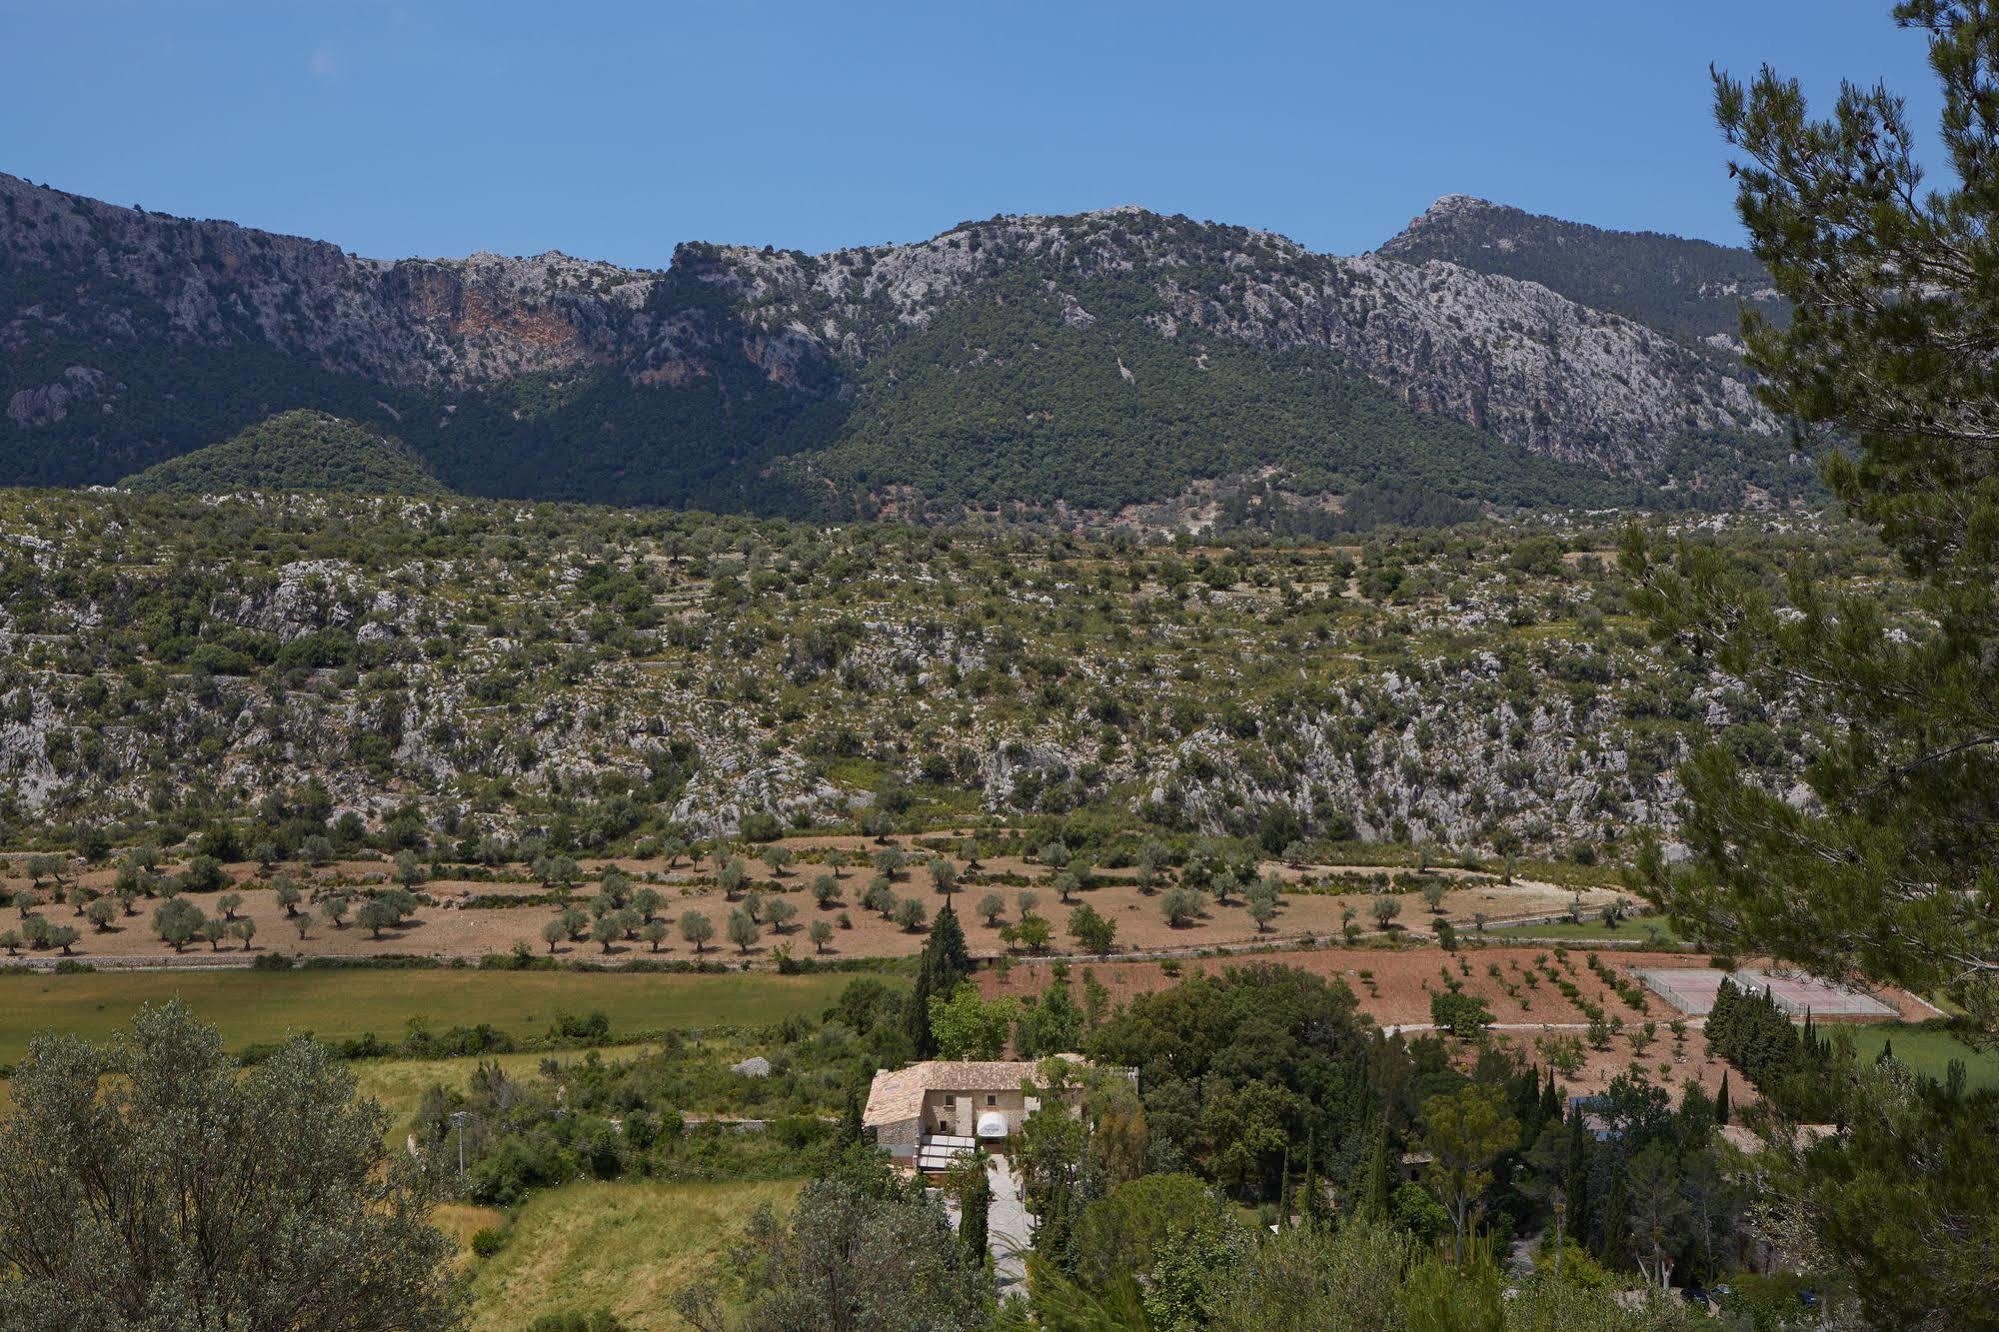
<point x="613" y="130"/>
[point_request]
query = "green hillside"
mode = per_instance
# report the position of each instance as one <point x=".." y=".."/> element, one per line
<point x="295" y="450"/>
<point x="1003" y="400"/>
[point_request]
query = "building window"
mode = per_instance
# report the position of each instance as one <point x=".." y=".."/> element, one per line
<point x="992" y="1100"/>
<point x="950" y="1102"/>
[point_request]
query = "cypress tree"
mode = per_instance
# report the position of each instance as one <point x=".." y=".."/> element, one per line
<point x="1313" y="1203"/>
<point x="944" y="963"/>
<point x="974" y="1207"/>
<point x="1575" y="1173"/>
<point x="1616" y="1241"/>
<point x="1721" y="1100"/>
<point x="1523" y="1095"/>
<point x="1375" y="1189"/>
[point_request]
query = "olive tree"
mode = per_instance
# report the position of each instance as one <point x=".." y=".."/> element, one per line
<point x="177" y="922"/>
<point x="743" y="929"/>
<point x="150" y="1183"/>
<point x="1181" y="906"/>
<point x="375" y="916"/>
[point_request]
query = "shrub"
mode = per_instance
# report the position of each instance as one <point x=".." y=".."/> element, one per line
<point x="1462" y="1015"/>
<point x="1180" y="906"/>
<point x="598" y="1320"/>
<point x="761" y="827"/>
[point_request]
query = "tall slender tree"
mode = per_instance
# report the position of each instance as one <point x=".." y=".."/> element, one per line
<point x="975" y="1200"/>
<point x="945" y="963"/>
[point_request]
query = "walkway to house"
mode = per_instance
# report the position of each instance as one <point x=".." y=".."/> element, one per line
<point x="1009" y="1229"/>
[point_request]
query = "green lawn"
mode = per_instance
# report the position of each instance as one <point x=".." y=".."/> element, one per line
<point x="1926" y="1048"/>
<point x="1636" y="930"/>
<point x="252" y="1006"/>
<point x="626" y="1245"/>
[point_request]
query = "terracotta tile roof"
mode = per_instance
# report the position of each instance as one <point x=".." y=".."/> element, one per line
<point x="898" y="1094"/>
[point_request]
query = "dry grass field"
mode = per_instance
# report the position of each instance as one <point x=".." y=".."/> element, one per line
<point x="626" y="1245"/>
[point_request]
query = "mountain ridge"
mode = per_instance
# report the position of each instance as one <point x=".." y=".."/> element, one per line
<point x="740" y="377"/>
<point x="1697" y="284"/>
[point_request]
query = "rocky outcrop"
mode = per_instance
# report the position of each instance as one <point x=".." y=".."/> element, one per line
<point x="1505" y="354"/>
<point x="1690" y="290"/>
<point x="45" y="404"/>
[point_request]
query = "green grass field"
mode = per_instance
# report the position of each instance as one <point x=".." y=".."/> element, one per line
<point x="251" y="1007"/>
<point x="398" y="1084"/>
<point x="1635" y="931"/>
<point x="1925" y="1048"/>
<point x="626" y="1245"/>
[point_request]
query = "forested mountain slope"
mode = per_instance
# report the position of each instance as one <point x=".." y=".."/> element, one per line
<point x="1688" y="289"/>
<point x="1095" y="361"/>
<point x="295" y="451"/>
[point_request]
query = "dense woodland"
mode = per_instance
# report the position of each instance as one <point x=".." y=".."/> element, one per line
<point x="295" y="451"/>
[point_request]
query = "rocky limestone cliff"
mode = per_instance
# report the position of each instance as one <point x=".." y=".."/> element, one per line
<point x="1690" y="290"/>
<point x="1515" y="358"/>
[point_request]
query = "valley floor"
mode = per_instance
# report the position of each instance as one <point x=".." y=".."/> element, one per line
<point x="467" y="919"/>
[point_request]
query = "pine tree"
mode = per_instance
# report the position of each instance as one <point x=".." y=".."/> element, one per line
<point x="1888" y="351"/>
<point x="1721" y="1101"/>
<point x="1887" y="872"/>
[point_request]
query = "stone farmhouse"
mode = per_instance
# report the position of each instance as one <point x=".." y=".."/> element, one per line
<point x="928" y="1114"/>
